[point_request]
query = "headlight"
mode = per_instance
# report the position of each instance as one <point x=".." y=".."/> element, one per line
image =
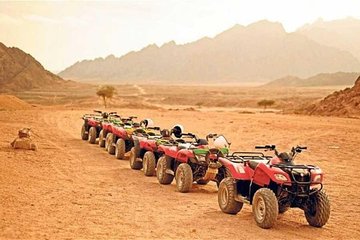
<point x="280" y="177"/>
<point x="317" y="179"/>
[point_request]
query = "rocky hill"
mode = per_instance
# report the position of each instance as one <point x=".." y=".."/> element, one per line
<point x="20" y="71"/>
<point x="344" y="103"/>
<point x="259" y="52"/>
<point x="319" y="80"/>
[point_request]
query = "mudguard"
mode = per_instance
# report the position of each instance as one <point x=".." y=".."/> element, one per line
<point x="238" y="170"/>
<point x="170" y="151"/>
<point x="107" y="127"/>
<point x="314" y="179"/>
<point x="183" y="155"/>
<point x="263" y="174"/>
<point x="92" y="122"/>
<point x="120" y="132"/>
<point x="149" y="145"/>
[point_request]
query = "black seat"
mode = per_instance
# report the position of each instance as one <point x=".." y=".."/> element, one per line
<point x="253" y="164"/>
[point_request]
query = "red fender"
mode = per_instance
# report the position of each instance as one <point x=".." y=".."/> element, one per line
<point x="314" y="179"/>
<point x="238" y="170"/>
<point x="93" y="122"/>
<point x="149" y="145"/>
<point x="170" y="151"/>
<point x="183" y="155"/>
<point x="263" y="174"/>
<point x="120" y="132"/>
<point x="107" y="127"/>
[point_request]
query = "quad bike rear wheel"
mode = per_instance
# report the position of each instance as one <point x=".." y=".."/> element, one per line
<point x="184" y="178"/>
<point x="84" y="134"/>
<point x="92" y="135"/>
<point x="265" y="207"/>
<point x="162" y="165"/>
<point x="135" y="162"/>
<point x="149" y="163"/>
<point x="120" y="149"/>
<point x="317" y="212"/>
<point x="110" y="146"/>
<point x="226" y="197"/>
<point x="102" y="138"/>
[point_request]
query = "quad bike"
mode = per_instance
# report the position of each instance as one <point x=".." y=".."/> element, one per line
<point x="192" y="162"/>
<point x="272" y="186"/>
<point x="107" y="124"/>
<point x="146" y="152"/>
<point x="92" y="125"/>
<point x="120" y="139"/>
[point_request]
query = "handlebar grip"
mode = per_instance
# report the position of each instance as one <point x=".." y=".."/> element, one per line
<point x="260" y="147"/>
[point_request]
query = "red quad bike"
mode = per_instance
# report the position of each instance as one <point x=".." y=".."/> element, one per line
<point x="119" y="139"/>
<point x="146" y="152"/>
<point x="107" y="124"/>
<point x="92" y="125"/>
<point x="272" y="186"/>
<point x="191" y="162"/>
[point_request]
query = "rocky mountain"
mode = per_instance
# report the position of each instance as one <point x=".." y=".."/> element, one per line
<point x="261" y="51"/>
<point x="319" y="80"/>
<point x="344" y="103"/>
<point x="343" y="34"/>
<point x="20" y="71"/>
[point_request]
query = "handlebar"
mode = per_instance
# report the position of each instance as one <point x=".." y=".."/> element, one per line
<point x="268" y="147"/>
<point x="188" y="135"/>
<point x="154" y="128"/>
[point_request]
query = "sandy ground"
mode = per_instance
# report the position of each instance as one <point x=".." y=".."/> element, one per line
<point x="69" y="189"/>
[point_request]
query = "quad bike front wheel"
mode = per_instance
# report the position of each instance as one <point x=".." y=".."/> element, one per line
<point x="120" y="149"/>
<point x="265" y="208"/>
<point x="102" y="139"/>
<point x="135" y="162"/>
<point x="162" y="165"/>
<point x="184" y="178"/>
<point x="92" y="135"/>
<point x="149" y="163"/>
<point x="226" y="197"/>
<point x="84" y="134"/>
<point x="110" y="145"/>
<point x="317" y="212"/>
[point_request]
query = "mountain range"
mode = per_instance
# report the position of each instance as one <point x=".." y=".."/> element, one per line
<point x="259" y="52"/>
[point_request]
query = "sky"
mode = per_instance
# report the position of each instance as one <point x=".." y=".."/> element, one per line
<point x="60" y="33"/>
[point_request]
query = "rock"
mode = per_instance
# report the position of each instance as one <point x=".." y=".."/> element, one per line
<point x="24" y="143"/>
<point x="24" y="140"/>
<point x="343" y="103"/>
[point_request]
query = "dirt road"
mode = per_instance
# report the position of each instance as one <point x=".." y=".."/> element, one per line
<point x="69" y="189"/>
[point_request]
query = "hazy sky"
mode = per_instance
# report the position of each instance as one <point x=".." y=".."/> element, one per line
<point x="60" y="33"/>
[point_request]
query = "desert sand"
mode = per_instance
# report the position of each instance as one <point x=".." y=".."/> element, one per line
<point x="70" y="189"/>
